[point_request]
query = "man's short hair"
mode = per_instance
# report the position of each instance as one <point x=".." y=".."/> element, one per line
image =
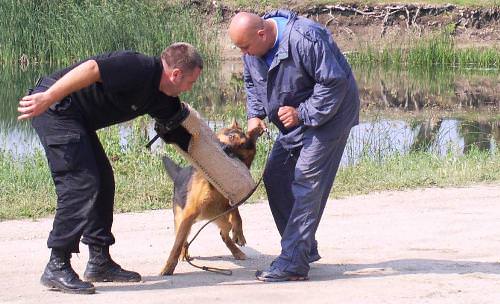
<point x="182" y="55"/>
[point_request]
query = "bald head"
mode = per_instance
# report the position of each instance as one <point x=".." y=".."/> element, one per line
<point x="251" y="33"/>
<point x="244" y="24"/>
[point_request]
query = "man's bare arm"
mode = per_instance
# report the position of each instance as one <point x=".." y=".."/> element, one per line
<point x="78" y="78"/>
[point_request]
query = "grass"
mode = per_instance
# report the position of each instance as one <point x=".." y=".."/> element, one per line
<point x="45" y="36"/>
<point x="141" y="183"/>
<point x="416" y="170"/>
<point x="436" y="51"/>
<point x="28" y="191"/>
<point x="62" y="32"/>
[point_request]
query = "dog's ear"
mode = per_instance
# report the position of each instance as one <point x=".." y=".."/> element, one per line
<point x="234" y="124"/>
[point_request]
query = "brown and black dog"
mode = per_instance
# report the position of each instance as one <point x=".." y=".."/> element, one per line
<point x="196" y="199"/>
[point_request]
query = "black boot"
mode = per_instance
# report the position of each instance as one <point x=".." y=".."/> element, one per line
<point x="101" y="268"/>
<point x="59" y="275"/>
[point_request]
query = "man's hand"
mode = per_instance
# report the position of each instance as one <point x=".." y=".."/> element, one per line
<point x="289" y="116"/>
<point x="34" y="105"/>
<point x="256" y="126"/>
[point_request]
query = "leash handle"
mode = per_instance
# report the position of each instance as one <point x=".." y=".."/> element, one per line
<point x="223" y="271"/>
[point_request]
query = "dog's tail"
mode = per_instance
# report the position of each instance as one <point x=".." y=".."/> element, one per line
<point x="171" y="167"/>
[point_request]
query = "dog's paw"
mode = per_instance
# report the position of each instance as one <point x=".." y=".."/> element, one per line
<point x="240" y="256"/>
<point x="168" y="269"/>
<point x="239" y="239"/>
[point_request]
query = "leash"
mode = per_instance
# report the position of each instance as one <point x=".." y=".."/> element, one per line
<point x="223" y="271"/>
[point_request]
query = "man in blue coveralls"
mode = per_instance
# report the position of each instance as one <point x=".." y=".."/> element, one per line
<point x="295" y="74"/>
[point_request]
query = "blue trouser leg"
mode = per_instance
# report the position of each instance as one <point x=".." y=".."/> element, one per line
<point x="315" y="171"/>
<point x="278" y="178"/>
<point x="334" y="166"/>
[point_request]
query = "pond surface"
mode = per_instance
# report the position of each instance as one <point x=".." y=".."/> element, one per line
<point x="442" y="110"/>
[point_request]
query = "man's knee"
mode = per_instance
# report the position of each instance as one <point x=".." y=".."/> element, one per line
<point x="77" y="188"/>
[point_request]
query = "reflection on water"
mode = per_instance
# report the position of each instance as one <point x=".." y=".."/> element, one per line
<point x="420" y="90"/>
<point x="392" y="94"/>
<point x="383" y="138"/>
<point x="389" y="137"/>
<point x="412" y="90"/>
<point x="16" y="137"/>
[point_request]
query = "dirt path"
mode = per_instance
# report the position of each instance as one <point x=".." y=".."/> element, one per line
<point x="421" y="246"/>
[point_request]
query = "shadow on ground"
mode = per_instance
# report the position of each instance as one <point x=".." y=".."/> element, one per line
<point x="243" y="274"/>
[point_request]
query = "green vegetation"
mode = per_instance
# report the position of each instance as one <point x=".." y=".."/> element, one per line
<point x="439" y="50"/>
<point x="40" y="37"/>
<point x="436" y="51"/>
<point x="62" y="32"/>
<point x="417" y="169"/>
<point x="28" y="191"/>
<point x="141" y="183"/>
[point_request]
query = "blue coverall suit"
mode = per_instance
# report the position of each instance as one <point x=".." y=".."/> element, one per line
<point x="309" y="73"/>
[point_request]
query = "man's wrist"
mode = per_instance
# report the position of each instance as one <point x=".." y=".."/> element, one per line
<point x="256" y="116"/>
<point x="50" y="97"/>
<point x="300" y="115"/>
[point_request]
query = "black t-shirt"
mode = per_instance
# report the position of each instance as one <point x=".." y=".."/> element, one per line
<point x="129" y="88"/>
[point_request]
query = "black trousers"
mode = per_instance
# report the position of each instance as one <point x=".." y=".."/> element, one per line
<point x="82" y="176"/>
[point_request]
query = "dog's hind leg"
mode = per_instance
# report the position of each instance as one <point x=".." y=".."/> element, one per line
<point x="225" y="227"/>
<point x="237" y="228"/>
<point x="177" y="219"/>
<point x="182" y="233"/>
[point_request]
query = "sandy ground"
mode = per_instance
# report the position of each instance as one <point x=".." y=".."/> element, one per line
<point x="421" y="246"/>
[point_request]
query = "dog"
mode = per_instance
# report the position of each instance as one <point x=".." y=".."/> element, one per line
<point x="195" y="199"/>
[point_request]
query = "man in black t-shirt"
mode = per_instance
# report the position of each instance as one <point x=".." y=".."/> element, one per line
<point x="66" y="110"/>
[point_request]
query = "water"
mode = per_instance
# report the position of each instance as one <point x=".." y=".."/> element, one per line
<point x="442" y="111"/>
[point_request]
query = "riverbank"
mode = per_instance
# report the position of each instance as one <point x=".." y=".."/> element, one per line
<point x="384" y="25"/>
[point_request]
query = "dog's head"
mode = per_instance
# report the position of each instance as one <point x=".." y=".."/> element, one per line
<point x="239" y="143"/>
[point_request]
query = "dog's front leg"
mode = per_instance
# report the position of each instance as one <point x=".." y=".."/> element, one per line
<point x="225" y="226"/>
<point x="180" y="240"/>
<point x="237" y="228"/>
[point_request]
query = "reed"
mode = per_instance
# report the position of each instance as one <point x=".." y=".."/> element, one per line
<point x="438" y="51"/>
<point x="64" y="31"/>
